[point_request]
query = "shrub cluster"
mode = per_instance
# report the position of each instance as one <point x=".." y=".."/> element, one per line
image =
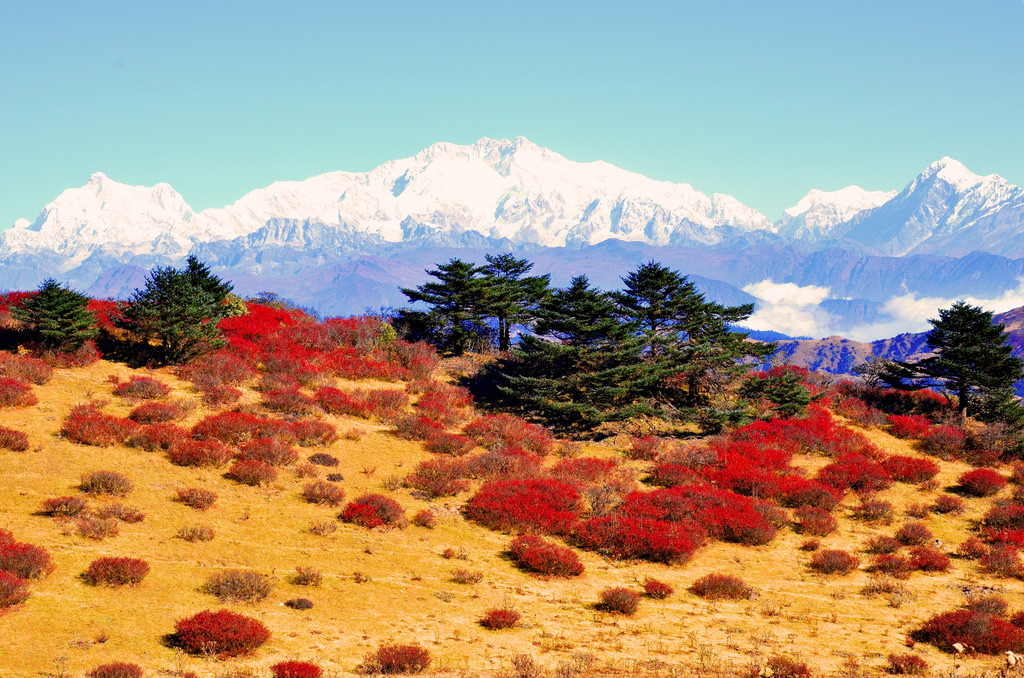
<point x="24" y="368"/>
<point x="13" y="589"/>
<point x="321" y="492"/>
<point x="619" y="600"/>
<point x="193" y="533"/>
<point x="252" y="473"/>
<point x="140" y="388"/>
<point x="116" y="670"/>
<point x="106" y="483"/>
<point x="834" y="561"/>
<point x="398" y="659"/>
<point x="541" y="504"/>
<point x="64" y="507"/>
<point x="196" y="497"/>
<point x="26" y="561"/>
<point x="87" y="425"/>
<point x="160" y="436"/>
<point x="113" y="571"/>
<point x="208" y="453"/>
<point x="981" y="482"/>
<point x="243" y="586"/>
<point x="985" y="633"/>
<point x="716" y="586"/>
<point x="506" y="430"/>
<point x="658" y="590"/>
<point x="12" y="440"/>
<point x="815" y="522"/>
<point x="296" y="669"/>
<point x="439" y="477"/>
<point x="909" y="425"/>
<point x="222" y="634"/>
<point x="14" y="393"/>
<point x="500" y="618"/>
<point x="374" y="510"/>
<point x="272" y="451"/>
<point x="533" y="553"/>
<point x="906" y="469"/>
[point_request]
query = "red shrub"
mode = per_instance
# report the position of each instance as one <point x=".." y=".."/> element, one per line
<point x="116" y="571"/>
<point x="815" y="522"/>
<point x="542" y="504"/>
<point x="97" y="528"/>
<point x="439" y="478"/>
<point x="619" y="600"/>
<point x="217" y="369"/>
<point x="834" y="561"/>
<point x="291" y="402"/>
<point x="200" y="453"/>
<point x="857" y="472"/>
<point x="383" y="404"/>
<point x="891" y="564"/>
<point x="883" y="544"/>
<point x="906" y="665"/>
<point x="946" y="503"/>
<point x="425" y="518"/>
<point x="86" y="425"/>
<point x="658" y="590"/>
<point x="795" y="491"/>
<point x="14" y="393"/>
<point x="116" y="670"/>
<point x="196" y="497"/>
<point x="1002" y="560"/>
<point x="417" y="428"/>
<point x="313" y="433"/>
<point x="126" y="514"/>
<point x="501" y="618"/>
<point x="981" y="482"/>
<point x="252" y="473"/>
<point x="645" y="448"/>
<point x="944" y="442"/>
<point x="12" y="440"/>
<point x="294" y="669"/>
<point x="153" y="437"/>
<point x="716" y="586"/>
<point x="222" y="633"/>
<point x="972" y="548"/>
<point x="271" y="451"/>
<point x="982" y="632"/>
<point x="446" y="405"/>
<point x="860" y="413"/>
<point x="27" y="561"/>
<point x="321" y="492"/>
<point x="913" y="534"/>
<point x="451" y="444"/>
<point x="140" y="388"/>
<point x="24" y="368"/>
<point x="874" y="511"/>
<point x="13" y="589"/>
<point x="928" y="558"/>
<point x="64" y="507"/>
<point x="216" y="396"/>
<point x="235" y="428"/>
<point x="154" y="413"/>
<point x="396" y="659"/>
<point x="628" y="538"/>
<point x="504" y="462"/>
<point x="583" y="470"/>
<point x="106" y="483"/>
<point x="909" y="425"/>
<point x="905" y="469"/>
<point x="1006" y="515"/>
<point x="537" y="555"/>
<point x="667" y="474"/>
<point x="502" y="430"/>
<point x="723" y="515"/>
<point x="374" y="510"/>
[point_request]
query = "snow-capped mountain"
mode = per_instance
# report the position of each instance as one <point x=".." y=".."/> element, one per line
<point x="819" y="212"/>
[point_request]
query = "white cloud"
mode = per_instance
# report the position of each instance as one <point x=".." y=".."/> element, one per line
<point x="789" y="308"/>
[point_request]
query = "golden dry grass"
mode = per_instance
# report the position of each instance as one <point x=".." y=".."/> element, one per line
<point x="408" y="595"/>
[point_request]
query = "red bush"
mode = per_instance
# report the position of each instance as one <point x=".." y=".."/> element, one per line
<point x="909" y="425"/>
<point x="584" y="470"/>
<point x="13" y="589"/>
<point x="313" y="433"/>
<point x="716" y="586"/>
<point x="374" y="510"/>
<point x="235" y="428"/>
<point x="273" y="451"/>
<point x="217" y="370"/>
<point x="383" y="404"/>
<point x="1002" y="560"/>
<point x="815" y="522"/>
<point x="222" y="634"/>
<point x="439" y="478"/>
<point x="12" y="440"/>
<point x="982" y="632"/>
<point x="905" y="469"/>
<point x="14" y="393"/>
<point x="1005" y="515"/>
<point x="85" y="424"/>
<point x="500" y="618"/>
<point x="26" y="561"/>
<point x="140" y="388"/>
<point x="321" y="492"/>
<point x="667" y="474"/>
<point x="645" y="448"/>
<point x="252" y="473"/>
<point x="505" y="463"/>
<point x="64" y="507"/>
<point x="216" y="396"/>
<point x="874" y="511"/>
<point x="857" y="472"/>
<point x="24" y="368"/>
<point x="446" y="404"/>
<point x="834" y="561"/>
<point x="537" y="555"/>
<point x="928" y="558"/>
<point x="913" y="534"/>
<point x="290" y="401"/>
<point x="795" y="491"/>
<point x="294" y="669"/>
<point x="542" y="504"/>
<point x="196" y="497"/>
<point x="417" y="428"/>
<point x="981" y="482"/>
<point x="658" y="590"/>
<point x="116" y="571"/>
<point x="891" y="564"/>
<point x="451" y="444"/>
<point x="906" y="665"/>
<point x="116" y="670"/>
<point x="972" y="548"/>
<point x="397" y="659"/>
<point x="946" y="503"/>
<point x="153" y="437"/>
<point x="504" y="430"/>
<point x="628" y="538"/>
<point x="200" y="453"/>
<point x="619" y="600"/>
<point x="155" y="412"/>
<point x="945" y="442"/>
<point x="109" y="483"/>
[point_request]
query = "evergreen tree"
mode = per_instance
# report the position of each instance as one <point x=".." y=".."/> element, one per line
<point x="512" y="296"/>
<point x="458" y="302"/>
<point x="59" y="315"/>
<point x="972" y="360"/>
<point x="581" y="367"/>
<point x="180" y="309"/>
<point x="662" y="302"/>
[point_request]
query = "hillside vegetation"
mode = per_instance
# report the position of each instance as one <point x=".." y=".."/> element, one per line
<point x="333" y="463"/>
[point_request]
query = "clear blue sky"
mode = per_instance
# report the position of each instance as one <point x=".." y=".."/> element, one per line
<point x="762" y="100"/>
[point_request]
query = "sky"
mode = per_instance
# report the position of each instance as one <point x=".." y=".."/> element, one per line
<point x="760" y="100"/>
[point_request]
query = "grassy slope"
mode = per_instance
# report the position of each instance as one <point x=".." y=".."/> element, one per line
<point x="821" y="620"/>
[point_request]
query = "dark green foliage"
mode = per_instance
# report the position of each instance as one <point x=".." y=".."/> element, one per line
<point x="59" y="315"/>
<point x="180" y="309"/>
<point x="457" y="300"/>
<point x="973" y="362"/>
<point x="784" y="388"/>
<point x="512" y="295"/>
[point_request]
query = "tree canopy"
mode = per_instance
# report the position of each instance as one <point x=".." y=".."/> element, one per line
<point x="59" y="315"/>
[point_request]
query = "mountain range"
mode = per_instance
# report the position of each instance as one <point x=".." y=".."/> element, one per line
<point x="343" y="241"/>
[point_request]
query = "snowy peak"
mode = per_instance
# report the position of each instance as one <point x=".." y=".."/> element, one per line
<point x="819" y="212"/>
<point x="953" y="173"/>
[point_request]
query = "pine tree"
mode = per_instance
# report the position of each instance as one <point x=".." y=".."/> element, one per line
<point x="180" y="309"/>
<point x="59" y="315"/>
<point x="662" y="302"/>
<point x="512" y="296"/>
<point x="972" y="360"/>
<point x="582" y="365"/>
<point x="458" y="302"/>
